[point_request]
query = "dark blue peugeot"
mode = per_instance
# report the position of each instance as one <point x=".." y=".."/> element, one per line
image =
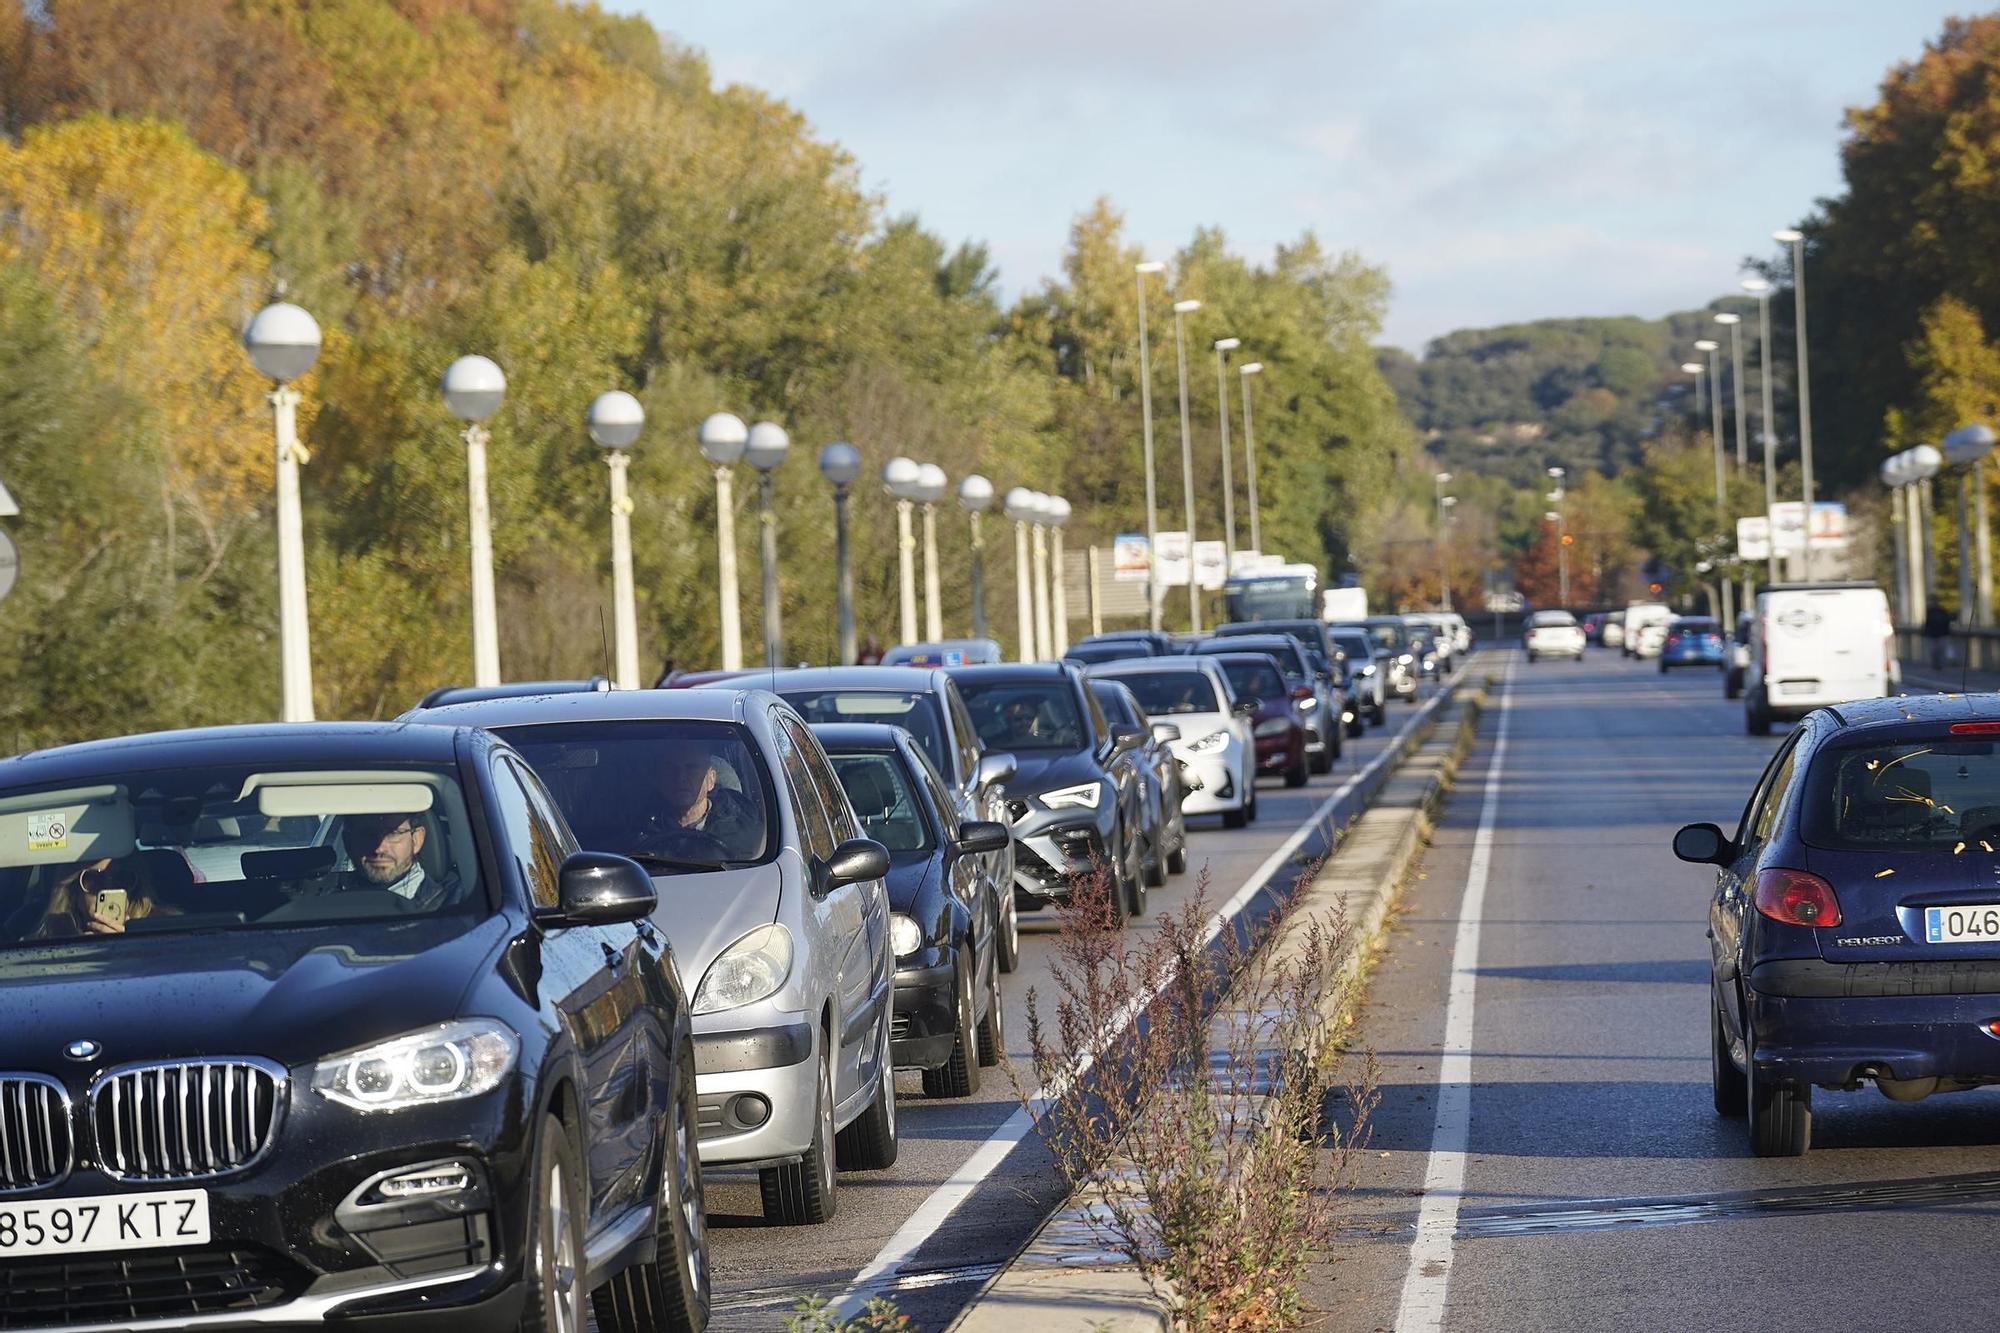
<point x="1855" y="928"/>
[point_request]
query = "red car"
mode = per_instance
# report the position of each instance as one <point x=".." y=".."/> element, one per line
<point x="1278" y="727"/>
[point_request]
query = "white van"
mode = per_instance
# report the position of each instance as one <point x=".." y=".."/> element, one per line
<point x="1639" y="615"/>
<point x="1814" y="644"/>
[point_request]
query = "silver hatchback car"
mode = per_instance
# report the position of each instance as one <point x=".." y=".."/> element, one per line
<point x="774" y="903"/>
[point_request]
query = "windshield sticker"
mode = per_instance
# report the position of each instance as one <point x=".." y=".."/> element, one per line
<point x="48" y="831"/>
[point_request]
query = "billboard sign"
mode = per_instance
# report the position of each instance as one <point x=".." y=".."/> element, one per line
<point x="1174" y="559"/>
<point x="1129" y="557"/>
<point x="1753" y="539"/>
<point x="1211" y="564"/>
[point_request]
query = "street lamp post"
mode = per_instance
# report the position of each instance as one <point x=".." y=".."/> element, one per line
<point x="1044" y="635"/>
<point x="766" y="448"/>
<point x="1244" y="372"/>
<point x="473" y="388"/>
<point x="975" y="493"/>
<point x="932" y="485"/>
<point x="1223" y="347"/>
<point x="1713" y="348"/>
<point x="1797" y="240"/>
<point x="1058" y="515"/>
<point x="723" y="437"/>
<point x="1761" y="289"/>
<point x="1019" y="505"/>
<point x="1181" y="310"/>
<point x="1146" y="416"/>
<point x="899" y="478"/>
<point x="1443" y="480"/>
<point x="840" y="464"/>
<point x="1968" y="447"/>
<point x="283" y="343"/>
<point x="1561" y="495"/>
<point x="614" y="421"/>
<point x="1734" y="323"/>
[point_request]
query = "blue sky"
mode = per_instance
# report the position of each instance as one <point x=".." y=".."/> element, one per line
<point x="1502" y="160"/>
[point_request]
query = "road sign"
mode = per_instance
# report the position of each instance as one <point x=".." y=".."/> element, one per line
<point x="1175" y="560"/>
<point x="1753" y="538"/>
<point x="1829" y="526"/>
<point x="10" y="565"/>
<point x="1211" y="564"/>
<point x="1129" y="560"/>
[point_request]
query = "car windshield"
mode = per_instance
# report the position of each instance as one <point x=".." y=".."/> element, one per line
<point x="1357" y="646"/>
<point x="1548" y="619"/>
<point x="1255" y="680"/>
<point x="1388" y="637"/>
<point x="1913" y="796"/>
<point x="232" y="848"/>
<point x="1166" y="693"/>
<point x="884" y="800"/>
<point x="915" y="713"/>
<point x="1024" y="715"/>
<point x="678" y="796"/>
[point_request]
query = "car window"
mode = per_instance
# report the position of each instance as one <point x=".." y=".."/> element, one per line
<point x="691" y="795"/>
<point x="928" y="777"/>
<point x="1100" y="725"/>
<point x="1167" y="693"/>
<point x="964" y="735"/>
<point x="884" y="800"/>
<point x="531" y="841"/>
<point x="814" y="825"/>
<point x="1114" y="700"/>
<point x="1546" y="619"/>
<point x="1931" y="795"/>
<point x="840" y="817"/>
<point x="1762" y="815"/>
<point x="547" y="812"/>
<point x="1254" y="680"/>
<point x="291" y="847"/>
<point x="913" y="711"/>
<point x="1025" y="714"/>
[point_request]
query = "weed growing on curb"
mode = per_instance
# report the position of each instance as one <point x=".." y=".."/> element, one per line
<point x="1185" y="1083"/>
<point x="814" y="1314"/>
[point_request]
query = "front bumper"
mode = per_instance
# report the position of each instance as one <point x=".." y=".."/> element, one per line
<point x="1223" y="780"/>
<point x="1275" y="754"/>
<point x="754" y="1089"/>
<point x="1843" y="1022"/>
<point x="1048" y="855"/>
<point x="924" y="1024"/>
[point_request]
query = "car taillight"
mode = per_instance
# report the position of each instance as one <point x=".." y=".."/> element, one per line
<point x="1796" y="898"/>
<point x="1975" y="728"/>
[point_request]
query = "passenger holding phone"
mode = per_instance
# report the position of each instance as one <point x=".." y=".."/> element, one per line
<point x="98" y="899"/>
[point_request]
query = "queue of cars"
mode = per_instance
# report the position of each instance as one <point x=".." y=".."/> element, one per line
<point x="439" y="1022"/>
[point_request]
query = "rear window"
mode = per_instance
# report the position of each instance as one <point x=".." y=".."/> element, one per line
<point x="1696" y="625"/>
<point x="914" y="713"/>
<point x="1548" y="619"/>
<point x="1915" y="796"/>
<point x="884" y="800"/>
<point x="1106" y="652"/>
<point x="1167" y="693"/>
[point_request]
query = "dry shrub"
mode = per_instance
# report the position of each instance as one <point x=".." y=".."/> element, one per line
<point x="1184" y="1075"/>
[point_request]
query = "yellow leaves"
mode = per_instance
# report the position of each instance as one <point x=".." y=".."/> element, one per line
<point x="150" y="245"/>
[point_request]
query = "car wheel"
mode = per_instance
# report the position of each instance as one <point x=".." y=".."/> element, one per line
<point x="1780" y="1116"/>
<point x="1663" y="666"/>
<point x="1731" y="1088"/>
<point x="1381" y="714"/>
<point x="672" y="1291"/>
<point x="1007" y="935"/>
<point x="1298" y="774"/>
<point x="1358" y="727"/>
<point x="1531" y="659"/>
<point x="1156" y="860"/>
<point x="869" y="1143"/>
<point x="555" y="1294"/>
<point x="1732" y="686"/>
<point x="802" y="1192"/>
<point x="958" y="1076"/>
<point x="993" y="1027"/>
<point x="1756" y="718"/>
<point x="1250" y="803"/>
<point x="1177" y="859"/>
<point x="1132" y="895"/>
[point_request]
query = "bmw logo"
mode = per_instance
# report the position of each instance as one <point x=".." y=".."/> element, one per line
<point x="83" y="1050"/>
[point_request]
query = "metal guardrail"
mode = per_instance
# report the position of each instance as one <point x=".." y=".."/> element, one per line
<point x="1968" y="649"/>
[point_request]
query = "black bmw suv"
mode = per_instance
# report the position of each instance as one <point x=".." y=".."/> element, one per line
<point x="333" y="1023"/>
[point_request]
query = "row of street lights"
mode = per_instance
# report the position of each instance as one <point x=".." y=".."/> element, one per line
<point x="1222" y="347"/>
<point x="283" y="342"/>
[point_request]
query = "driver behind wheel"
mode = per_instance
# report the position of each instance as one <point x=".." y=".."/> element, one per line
<point x="696" y="817"/>
<point x="383" y="852"/>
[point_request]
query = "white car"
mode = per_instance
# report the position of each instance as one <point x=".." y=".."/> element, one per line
<point x="1553" y="634"/>
<point x="1215" y="746"/>
<point x="1649" y="639"/>
<point x="1613" y="633"/>
<point x="1814" y="644"/>
<point x="1639" y="615"/>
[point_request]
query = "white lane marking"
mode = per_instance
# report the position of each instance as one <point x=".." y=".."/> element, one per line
<point x="922" y="1224"/>
<point x="1421" y="1308"/>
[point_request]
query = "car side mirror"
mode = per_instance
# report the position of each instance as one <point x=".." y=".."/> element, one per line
<point x="600" y="889"/>
<point x="998" y="769"/>
<point x="1125" y="739"/>
<point x="979" y="836"/>
<point x="1247" y="707"/>
<point x="1163" y="732"/>
<point x="856" y="860"/>
<point x="1703" y="844"/>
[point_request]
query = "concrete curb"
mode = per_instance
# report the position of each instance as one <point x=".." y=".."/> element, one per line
<point x="1364" y="875"/>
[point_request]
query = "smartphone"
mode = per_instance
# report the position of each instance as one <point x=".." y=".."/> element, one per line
<point x="110" y="905"/>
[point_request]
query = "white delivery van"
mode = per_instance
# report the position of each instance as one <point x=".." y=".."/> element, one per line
<point x="1637" y="616"/>
<point x="1814" y="644"/>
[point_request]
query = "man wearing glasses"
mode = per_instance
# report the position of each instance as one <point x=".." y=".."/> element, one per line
<point x="383" y="851"/>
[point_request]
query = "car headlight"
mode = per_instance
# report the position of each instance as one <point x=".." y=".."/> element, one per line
<point x="1404" y="659"/>
<point x="747" y="971"/>
<point x="1215" y="740"/>
<point x="905" y="935"/>
<point x="1273" y="726"/>
<point x="1082" y="797"/>
<point x="1307" y="705"/>
<point x="1368" y="670"/>
<point x="439" y="1064"/>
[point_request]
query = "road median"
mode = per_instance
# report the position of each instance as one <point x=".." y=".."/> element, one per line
<point x="1065" y="1280"/>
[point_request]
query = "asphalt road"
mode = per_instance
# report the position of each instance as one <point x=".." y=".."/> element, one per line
<point x="894" y="1225"/>
<point x="1600" y="1190"/>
